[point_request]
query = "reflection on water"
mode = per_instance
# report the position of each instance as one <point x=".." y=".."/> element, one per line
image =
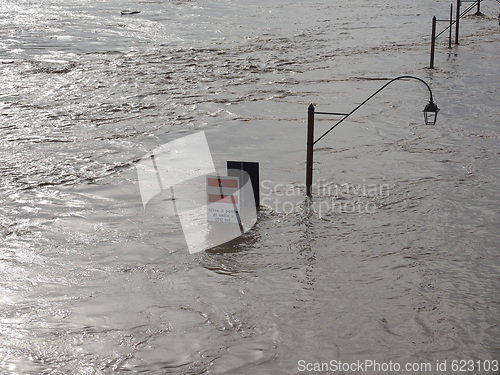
<point x="92" y="282"/>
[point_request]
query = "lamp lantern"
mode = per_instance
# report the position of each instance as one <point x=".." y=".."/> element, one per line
<point x="430" y="113"/>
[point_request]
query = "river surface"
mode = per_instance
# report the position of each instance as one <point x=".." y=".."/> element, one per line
<point x="394" y="260"/>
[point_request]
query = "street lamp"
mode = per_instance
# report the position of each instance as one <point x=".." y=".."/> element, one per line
<point x="431" y="113"/>
<point x="430" y="116"/>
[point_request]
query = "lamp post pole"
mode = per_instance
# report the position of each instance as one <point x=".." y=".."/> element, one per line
<point x="451" y="24"/>
<point x="310" y="147"/>
<point x="433" y="41"/>
<point x="430" y="115"/>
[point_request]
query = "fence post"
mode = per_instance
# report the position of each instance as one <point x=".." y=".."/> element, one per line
<point x="310" y="145"/>
<point x="457" y="26"/>
<point x="433" y="42"/>
<point x="478" y="13"/>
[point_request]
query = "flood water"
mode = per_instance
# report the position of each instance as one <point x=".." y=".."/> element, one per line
<point x="394" y="259"/>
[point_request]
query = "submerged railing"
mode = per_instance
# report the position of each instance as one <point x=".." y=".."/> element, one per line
<point x="459" y="14"/>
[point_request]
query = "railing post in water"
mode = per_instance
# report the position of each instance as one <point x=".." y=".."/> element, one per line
<point x="457" y="26"/>
<point x="478" y="13"/>
<point x="433" y="41"/>
<point x="310" y="146"/>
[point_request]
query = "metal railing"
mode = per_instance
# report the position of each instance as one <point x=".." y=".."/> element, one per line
<point x="459" y="14"/>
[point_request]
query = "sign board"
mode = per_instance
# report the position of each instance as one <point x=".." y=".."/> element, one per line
<point x="247" y="170"/>
<point x="223" y="199"/>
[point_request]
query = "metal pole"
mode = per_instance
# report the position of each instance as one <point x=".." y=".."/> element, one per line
<point x="433" y="41"/>
<point x="346" y="115"/>
<point x="478" y="13"/>
<point x="310" y="146"/>
<point x="451" y="24"/>
<point x="431" y="107"/>
<point x="457" y="26"/>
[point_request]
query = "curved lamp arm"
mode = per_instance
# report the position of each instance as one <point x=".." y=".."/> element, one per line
<point x="431" y="106"/>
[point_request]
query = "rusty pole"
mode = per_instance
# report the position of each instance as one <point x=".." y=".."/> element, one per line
<point x="433" y="41"/>
<point x="310" y="145"/>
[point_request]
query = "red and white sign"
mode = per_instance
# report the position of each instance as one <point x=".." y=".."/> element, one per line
<point x="223" y="199"/>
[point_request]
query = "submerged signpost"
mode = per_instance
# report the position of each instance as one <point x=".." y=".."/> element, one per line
<point x="233" y="200"/>
<point x="212" y="209"/>
<point x="223" y="199"/>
